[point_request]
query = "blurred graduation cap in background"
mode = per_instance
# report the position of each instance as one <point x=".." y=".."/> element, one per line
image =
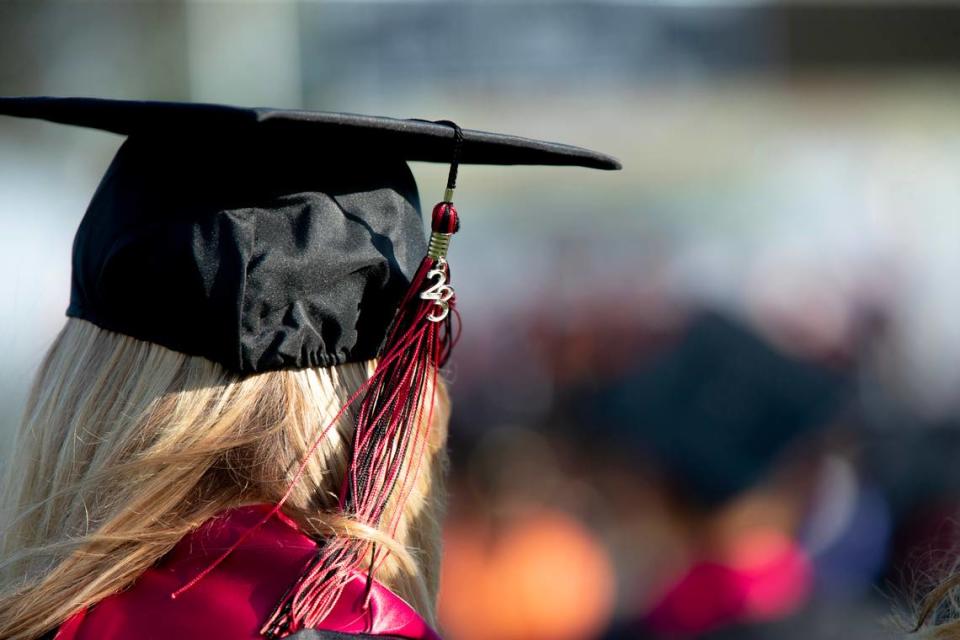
<point x="716" y="409"/>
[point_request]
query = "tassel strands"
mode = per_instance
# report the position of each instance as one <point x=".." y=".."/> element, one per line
<point x="393" y="417"/>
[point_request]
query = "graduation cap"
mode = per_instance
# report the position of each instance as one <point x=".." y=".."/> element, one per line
<point x="267" y="239"/>
<point x="716" y="409"/>
<point x="260" y="238"/>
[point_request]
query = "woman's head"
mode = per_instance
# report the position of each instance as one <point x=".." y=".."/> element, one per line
<point x="125" y="446"/>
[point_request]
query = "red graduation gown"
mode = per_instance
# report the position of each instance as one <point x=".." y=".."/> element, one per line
<point x="234" y="600"/>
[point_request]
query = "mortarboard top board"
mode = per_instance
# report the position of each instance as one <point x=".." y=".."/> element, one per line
<point x="261" y="238"/>
<point x="414" y="140"/>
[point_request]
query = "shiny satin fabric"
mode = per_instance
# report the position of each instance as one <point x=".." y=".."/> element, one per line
<point x="233" y="601"/>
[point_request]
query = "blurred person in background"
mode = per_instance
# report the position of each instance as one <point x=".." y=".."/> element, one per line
<point x="728" y="434"/>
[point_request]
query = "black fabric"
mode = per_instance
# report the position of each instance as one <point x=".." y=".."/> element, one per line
<point x="248" y="252"/>
<point x="411" y="139"/>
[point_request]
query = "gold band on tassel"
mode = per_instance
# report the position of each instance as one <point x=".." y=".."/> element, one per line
<point x="448" y="195"/>
<point x="439" y="243"/>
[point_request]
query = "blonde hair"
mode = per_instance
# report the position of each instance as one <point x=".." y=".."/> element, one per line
<point x="125" y="446"/>
<point x="938" y="614"/>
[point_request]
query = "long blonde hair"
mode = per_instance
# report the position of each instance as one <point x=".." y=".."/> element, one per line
<point x="125" y="446"/>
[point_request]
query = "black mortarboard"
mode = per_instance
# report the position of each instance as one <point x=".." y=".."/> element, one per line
<point x="716" y="409"/>
<point x="260" y="238"/>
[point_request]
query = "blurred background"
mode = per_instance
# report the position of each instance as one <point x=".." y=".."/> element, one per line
<point x="710" y="396"/>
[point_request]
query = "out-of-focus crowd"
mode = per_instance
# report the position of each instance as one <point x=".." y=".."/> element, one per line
<point x="644" y="468"/>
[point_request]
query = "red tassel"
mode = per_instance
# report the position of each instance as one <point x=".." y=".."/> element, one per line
<point x="394" y="417"/>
